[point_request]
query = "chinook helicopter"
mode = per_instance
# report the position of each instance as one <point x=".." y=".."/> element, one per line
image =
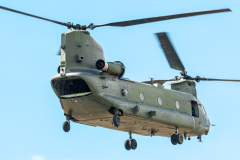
<point x="93" y="92"/>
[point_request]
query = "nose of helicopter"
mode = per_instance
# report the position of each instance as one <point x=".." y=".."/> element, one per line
<point x="208" y="125"/>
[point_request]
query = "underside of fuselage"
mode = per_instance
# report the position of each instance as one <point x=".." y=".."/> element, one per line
<point x="86" y="110"/>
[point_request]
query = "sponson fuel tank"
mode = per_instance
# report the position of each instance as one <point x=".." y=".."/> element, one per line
<point x="79" y="50"/>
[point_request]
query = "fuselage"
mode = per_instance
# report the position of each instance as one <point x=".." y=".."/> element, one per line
<point x="90" y="96"/>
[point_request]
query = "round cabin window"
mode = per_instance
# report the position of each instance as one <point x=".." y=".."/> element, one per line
<point x="141" y="97"/>
<point x="124" y="92"/>
<point x="160" y="101"/>
<point x="177" y="105"/>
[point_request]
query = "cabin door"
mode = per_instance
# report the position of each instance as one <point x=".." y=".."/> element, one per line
<point x="195" y="113"/>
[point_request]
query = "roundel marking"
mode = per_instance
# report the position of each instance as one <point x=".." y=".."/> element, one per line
<point x="184" y="102"/>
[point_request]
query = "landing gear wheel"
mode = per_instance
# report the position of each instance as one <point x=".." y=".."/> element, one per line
<point x="133" y="144"/>
<point x="116" y="120"/>
<point x="179" y="138"/>
<point x="174" y="139"/>
<point x="66" y="126"/>
<point x="127" y="144"/>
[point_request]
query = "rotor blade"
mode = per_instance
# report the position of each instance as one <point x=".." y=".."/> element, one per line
<point x="12" y="10"/>
<point x="161" y="18"/>
<point x="212" y="79"/>
<point x="169" y="52"/>
<point x="160" y="81"/>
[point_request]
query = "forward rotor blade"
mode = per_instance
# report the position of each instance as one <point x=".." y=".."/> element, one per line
<point x="161" y="18"/>
<point x="162" y="81"/>
<point x="213" y="79"/>
<point x="12" y="10"/>
<point x="169" y="52"/>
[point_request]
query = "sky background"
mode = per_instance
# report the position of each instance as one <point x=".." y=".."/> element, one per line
<point x="31" y="115"/>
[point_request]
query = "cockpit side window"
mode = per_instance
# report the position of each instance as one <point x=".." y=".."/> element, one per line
<point x="207" y="122"/>
<point x="195" y="111"/>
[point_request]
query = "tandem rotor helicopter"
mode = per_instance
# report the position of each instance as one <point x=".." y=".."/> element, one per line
<point x="93" y="92"/>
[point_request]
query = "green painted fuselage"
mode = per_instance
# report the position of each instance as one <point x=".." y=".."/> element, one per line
<point x="88" y="95"/>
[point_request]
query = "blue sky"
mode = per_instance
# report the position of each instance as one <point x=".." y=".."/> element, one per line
<point x="31" y="115"/>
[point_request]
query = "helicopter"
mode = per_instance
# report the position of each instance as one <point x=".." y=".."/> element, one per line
<point x="94" y="92"/>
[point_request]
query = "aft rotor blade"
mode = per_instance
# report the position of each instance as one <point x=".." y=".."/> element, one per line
<point x="12" y="10"/>
<point x="162" y="81"/>
<point x="161" y="18"/>
<point x="169" y="52"/>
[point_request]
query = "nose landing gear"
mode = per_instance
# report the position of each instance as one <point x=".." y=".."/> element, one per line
<point x="130" y="143"/>
<point x="177" y="138"/>
<point x="174" y="139"/>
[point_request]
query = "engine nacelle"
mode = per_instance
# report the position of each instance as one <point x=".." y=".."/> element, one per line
<point x="115" y="69"/>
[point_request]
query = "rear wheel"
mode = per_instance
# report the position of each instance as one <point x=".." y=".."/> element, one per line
<point x="116" y="120"/>
<point x="127" y="144"/>
<point x="66" y="126"/>
<point x="133" y="144"/>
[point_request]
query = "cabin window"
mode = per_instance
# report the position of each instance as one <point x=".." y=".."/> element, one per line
<point x="177" y="105"/>
<point x="141" y="96"/>
<point x="195" y="112"/>
<point x="124" y="92"/>
<point x="160" y="101"/>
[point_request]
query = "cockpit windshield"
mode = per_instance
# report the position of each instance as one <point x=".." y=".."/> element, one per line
<point x="204" y="110"/>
